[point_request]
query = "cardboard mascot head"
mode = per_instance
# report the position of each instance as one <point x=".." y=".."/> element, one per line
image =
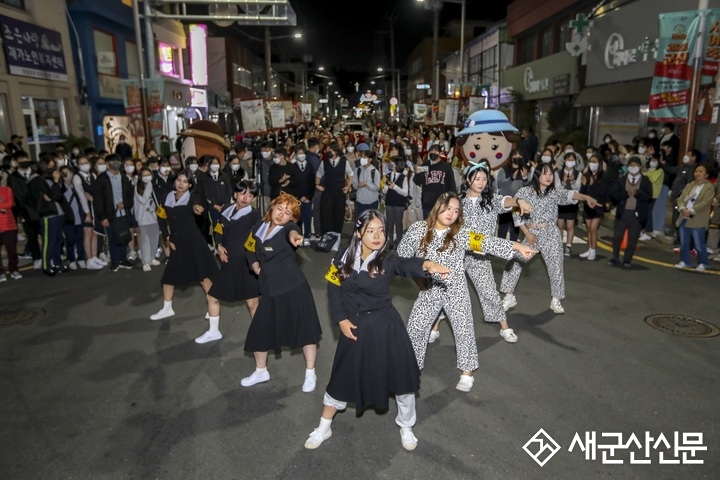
<point x="203" y="138"/>
<point x="488" y="135"/>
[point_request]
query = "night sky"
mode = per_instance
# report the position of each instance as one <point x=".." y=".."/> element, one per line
<point x="341" y="33"/>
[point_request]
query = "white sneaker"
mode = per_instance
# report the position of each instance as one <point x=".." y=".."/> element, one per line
<point x="509" y="301"/>
<point x="21" y="237"/>
<point x="162" y="314"/>
<point x="466" y="383"/>
<point x="208" y="337"/>
<point x="556" y="306"/>
<point x="681" y="265"/>
<point x="94" y="264"/>
<point x="509" y="335"/>
<point x="15" y="275"/>
<point x="310" y="382"/>
<point x="434" y="335"/>
<point x="104" y="258"/>
<point x="132" y="256"/>
<point x="585" y="254"/>
<point x="592" y="255"/>
<point x="3" y="278"/>
<point x="155" y="263"/>
<point x="82" y="264"/>
<point x="701" y="268"/>
<point x="644" y="237"/>
<point x="73" y="266"/>
<point x="408" y="438"/>
<point x="159" y="252"/>
<point x="146" y="268"/>
<point x="258" y="376"/>
<point x="37" y="264"/>
<point x="306" y="242"/>
<point x="317" y="437"/>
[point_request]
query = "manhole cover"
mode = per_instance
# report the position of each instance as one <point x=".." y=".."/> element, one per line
<point x="682" y="325"/>
<point x="18" y="316"/>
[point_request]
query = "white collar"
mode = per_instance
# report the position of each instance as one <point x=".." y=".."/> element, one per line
<point x="171" y="202"/>
<point x="263" y="234"/>
<point x="228" y="212"/>
<point x="359" y="264"/>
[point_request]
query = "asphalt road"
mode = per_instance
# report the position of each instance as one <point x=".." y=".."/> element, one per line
<point x="94" y="390"/>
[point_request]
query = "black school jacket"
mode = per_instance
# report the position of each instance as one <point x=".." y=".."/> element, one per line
<point x="279" y="271"/>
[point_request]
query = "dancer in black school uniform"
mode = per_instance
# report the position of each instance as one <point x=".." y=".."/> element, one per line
<point x="374" y="356"/>
<point x="235" y="282"/>
<point x="190" y="260"/>
<point x="286" y="315"/>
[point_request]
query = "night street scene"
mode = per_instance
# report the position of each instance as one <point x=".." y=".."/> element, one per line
<point x="410" y="239"/>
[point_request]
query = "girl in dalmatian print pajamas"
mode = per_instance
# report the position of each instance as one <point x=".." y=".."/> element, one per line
<point x="541" y="231"/>
<point x="444" y="239"/>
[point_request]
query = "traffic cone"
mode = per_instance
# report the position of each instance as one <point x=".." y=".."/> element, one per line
<point x="624" y="243"/>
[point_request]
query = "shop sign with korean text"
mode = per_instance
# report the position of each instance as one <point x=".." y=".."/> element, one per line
<point x="33" y="51"/>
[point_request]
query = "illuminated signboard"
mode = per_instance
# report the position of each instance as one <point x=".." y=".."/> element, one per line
<point x="198" y="54"/>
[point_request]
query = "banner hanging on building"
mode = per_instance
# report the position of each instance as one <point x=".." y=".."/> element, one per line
<point x="289" y="112"/>
<point x="451" y="112"/>
<point x="277" y="114"/>
<point x="252" y="113"/>
<point x="33" y="51"/>
<point x="419" y="111"/>
<point x="707" y="91"/>
<point x="306" y="111"/>
<point x="672" y="78"/>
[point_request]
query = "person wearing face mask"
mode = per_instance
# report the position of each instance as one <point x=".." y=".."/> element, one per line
<point x="162" y="186"/>
<point x="114" y="199"/>
<point x="570" y="149"/>
<point x="435" y="177"/>
<point x="218" y="190"/>
<point x="28" y="187"/>
<point x="133" y="246"/>
<point x="668" y="136"/>
<point x="596" y="184"/>
<point x="266" y="160"/>
<point x="74" y="215"/>
<point x="367" y="183"/>
<point x="656" y="175"/>
<point x="304" y="190"/>
<point x="313" y="159"/>
<point x="511" y="178"/>
<point x="52" y="218"/>
<point x="123" y="149"/>
<point x="350" y="153"/>
<point x="84" y="184"/>
<point x="334" y="179"/>
<point x="547" y="158"/>
<point x="145" y="212"/>
<point x="680" y="175"/>
<point x="8" y="229"/>
<point x="165" y="146"/>
<point x="233" y="170"/>
<point x="281" y="175"/>
<point x="568" y="178"/>
<point x="631" y="194"/>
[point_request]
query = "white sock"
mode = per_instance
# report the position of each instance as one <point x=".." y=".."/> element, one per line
<point x="167" y="305"/>
<point x="324" y="424"/>
<point x="309" y="371"/>
<point x="214" y="322"/>
<point x="260" y="370"/>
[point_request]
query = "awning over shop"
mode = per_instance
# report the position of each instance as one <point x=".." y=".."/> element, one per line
<point x="635" y="92"/>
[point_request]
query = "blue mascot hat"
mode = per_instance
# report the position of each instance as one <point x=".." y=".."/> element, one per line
<point x="487" y="121"/>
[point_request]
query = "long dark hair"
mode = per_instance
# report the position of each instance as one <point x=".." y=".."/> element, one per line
<point x="486" y="196"/>
<point x="375" y="267"/>
<point x="140" y="187"/>
<point x="535" y="182"/>
<point x="442" y="204"/>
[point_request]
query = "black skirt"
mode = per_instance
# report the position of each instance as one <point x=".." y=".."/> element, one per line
<point x="592" y="213"/>
<point x="191" y="262"/>
<point x="286" y="320"/>
<point x="380" y="363"/>
<point x="235" y="282"/>
<point x="568" y="212"/>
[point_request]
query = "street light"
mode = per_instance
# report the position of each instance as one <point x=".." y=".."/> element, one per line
<point x="322" y="69"/>
<point x="380" y="69"/>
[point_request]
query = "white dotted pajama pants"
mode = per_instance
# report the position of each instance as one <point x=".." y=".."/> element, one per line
<point x="455" y="301"/>
<point x="479" y="269"/>
<point x="549" y="243"/>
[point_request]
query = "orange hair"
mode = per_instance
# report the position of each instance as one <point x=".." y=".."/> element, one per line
<point x="293" y="204"/>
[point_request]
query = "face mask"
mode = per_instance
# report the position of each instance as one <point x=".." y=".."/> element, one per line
<point x="214" y="168"/>
<point x="114" y="165"/>
<point x="545" y="159"/>
<point x="234" y="167"/>
<point x="62" y="162"/>
<point x="364" y="161"/>
<point x="75" y="151"/>
<point x="164" y="140"/>
<point x="164" y="170"/>
<point x="265" y="155"/>
<point x="193" y="168"/>
<point x="85" y="167"/>
<point x="276" y="160"/>
<point x="570" y="163"/>
<point x="101" y="168"/>
<point x="153" y="169"/>
<point x="607" y="139"/>
<point x="594" y="167"/>
<point x="634" y="169"/>
<point x="147" y="178"/>
<point x="653" y="164"/>
<point x="588" y="154"/>
<point x="24" y="165"/>
<point x="301" y="157"/>
<point x="129" y="169"/>
<point x="433" y="156"/>
<point x="408" y="152"/>
<point x="642" y="150"/>
<point x="569" y="149"/>
<point x="350" y="149"/>
<point x="686" y="159"/>
<point x="652" y="135"/>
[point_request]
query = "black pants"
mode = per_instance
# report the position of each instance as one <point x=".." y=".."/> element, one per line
<point x="628" y="221"/>
<point x="505" y="225"/>
<point x="9" y="240"/>
<point x="332" y="211"/>
<point x="32" y="232"/>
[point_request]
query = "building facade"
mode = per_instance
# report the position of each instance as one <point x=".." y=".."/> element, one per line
<point x="39" y="97"/>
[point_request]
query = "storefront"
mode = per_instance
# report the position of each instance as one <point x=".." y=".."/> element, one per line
<point x="620" y="64"/>
<point x="543" y="84"/>
<point x="37" y="95"/>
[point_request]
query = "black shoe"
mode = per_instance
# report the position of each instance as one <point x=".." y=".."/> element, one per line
<point x="49" y="272"/>
<point x="114" y="267"/>
<point x="125" y="265"/>
<point x="612" y="262"/>
<point x="63" y="269"/>
<point x="627" y="265"/>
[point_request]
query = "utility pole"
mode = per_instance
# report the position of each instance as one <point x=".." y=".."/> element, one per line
<point x="268" y="64"/>
<point x="141" y="57"/>
<point x="392" y="56"/>
<point x="462" y="41"/>
<point x="697" y="72"/>
<point x="435" y="62"/>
